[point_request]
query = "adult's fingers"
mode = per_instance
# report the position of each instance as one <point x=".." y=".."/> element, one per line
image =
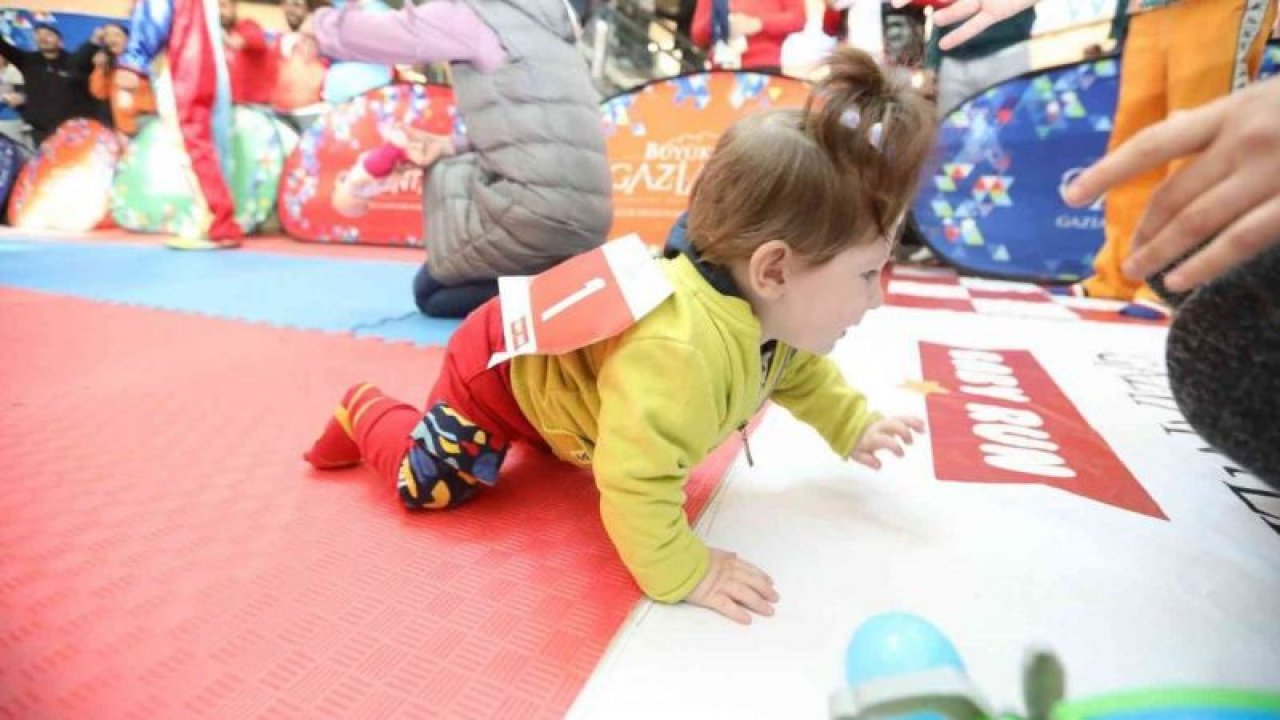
<point x="1247" y="237"/>
<point x="1182" y="134"/>
<point x="966" y="32"/>
<point x="1183" y="190"/>
<point x="955" y="12"/>
<point x="1171" y="235"/>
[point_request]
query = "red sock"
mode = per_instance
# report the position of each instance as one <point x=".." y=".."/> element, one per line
<point x="381" y="427"/>
<point x="336" y="448"/>
<point x="368" y="426"/>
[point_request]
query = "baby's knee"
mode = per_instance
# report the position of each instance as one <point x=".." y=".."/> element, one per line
<point x="450" y="459"/>
<point x="425" y="483"/>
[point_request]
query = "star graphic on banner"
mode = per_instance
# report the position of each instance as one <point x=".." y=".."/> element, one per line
<point x="924" y="387"/>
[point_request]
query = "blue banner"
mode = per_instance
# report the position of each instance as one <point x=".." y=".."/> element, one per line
<point x="1270" y="61"/>
<point x="990" y="203"/>
<point x="16" y="26"/>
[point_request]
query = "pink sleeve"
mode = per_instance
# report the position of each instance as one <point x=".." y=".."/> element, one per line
<point x="380" y="162"/>
<point x="438" y="31"/>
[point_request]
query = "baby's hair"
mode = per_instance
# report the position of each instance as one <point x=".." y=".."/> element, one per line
<point x="839" y="173"/>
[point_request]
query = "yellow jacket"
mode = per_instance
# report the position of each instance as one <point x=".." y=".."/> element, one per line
<point x="643" y="408"/>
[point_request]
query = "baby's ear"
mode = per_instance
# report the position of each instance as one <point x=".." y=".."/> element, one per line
<point x="768" y="267"/>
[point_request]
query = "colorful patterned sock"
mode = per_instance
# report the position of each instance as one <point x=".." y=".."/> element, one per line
<point x="449" y="459"/>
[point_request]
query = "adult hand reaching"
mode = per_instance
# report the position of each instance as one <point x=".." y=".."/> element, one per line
<point x="1230" y="193"/>
<point x="978" y="15"/>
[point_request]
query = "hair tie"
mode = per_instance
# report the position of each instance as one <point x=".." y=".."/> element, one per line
<point x="878" y="130"/>
<point x="877" y="135"/>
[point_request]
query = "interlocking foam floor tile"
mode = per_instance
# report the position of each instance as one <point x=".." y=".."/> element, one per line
<point x="167" y="554"/>
<point x="281" y="244"/>
<point x="314" y="293"/>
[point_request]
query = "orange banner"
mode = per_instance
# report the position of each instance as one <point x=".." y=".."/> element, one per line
<point x="661" y="135"/>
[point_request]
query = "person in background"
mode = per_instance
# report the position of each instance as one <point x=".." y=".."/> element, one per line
<point x="747" y="34"/>
<point x="295" y="13"/>
<point x="125" y="105"/>
<point x="998" y="53"/>
<point x="12" y="97"/>
<point x="527" y="185"/>
<point x="179" y="38"/>
<point x="301" y="68"/>
<point x="252" y="64"/>
<point x="56" y="80"/>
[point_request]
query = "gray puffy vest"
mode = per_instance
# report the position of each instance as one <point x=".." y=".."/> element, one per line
<point x="535" y="189"/>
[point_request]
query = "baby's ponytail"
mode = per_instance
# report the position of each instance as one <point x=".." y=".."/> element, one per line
<point x="839" y="173"/>
<point x="872" y="126"/>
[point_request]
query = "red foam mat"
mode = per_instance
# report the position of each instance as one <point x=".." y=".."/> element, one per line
<point x="164" y="552"/>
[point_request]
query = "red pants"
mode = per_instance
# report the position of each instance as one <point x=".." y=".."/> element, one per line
<point x="437" y="457"/>
<point x="469" y="386"/>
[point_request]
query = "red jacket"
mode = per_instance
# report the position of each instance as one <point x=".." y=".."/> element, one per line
<point x="300" y="74"/>
<point x="253" y="66"/>
<point x="779" y="18"/>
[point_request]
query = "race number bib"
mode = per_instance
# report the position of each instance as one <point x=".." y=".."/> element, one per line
<point x="581" y="301"/>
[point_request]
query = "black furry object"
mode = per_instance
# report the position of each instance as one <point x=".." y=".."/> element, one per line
<point x="1223" y="355"/>
<point x="1156" y="283"/>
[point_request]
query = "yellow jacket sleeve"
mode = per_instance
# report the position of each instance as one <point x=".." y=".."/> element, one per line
<point x="814" y="390"/>
<point x="659" y="416"/>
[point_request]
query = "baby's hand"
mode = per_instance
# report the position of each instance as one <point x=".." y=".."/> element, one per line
<point x="732" y="586"/>
<point x="884" y="434"/>
<point x="423" y="148"/>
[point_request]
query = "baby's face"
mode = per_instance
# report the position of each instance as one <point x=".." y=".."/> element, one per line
<point x="822" y="302"/>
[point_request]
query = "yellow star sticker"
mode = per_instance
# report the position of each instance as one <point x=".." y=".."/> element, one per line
<point x="924" y="387"/>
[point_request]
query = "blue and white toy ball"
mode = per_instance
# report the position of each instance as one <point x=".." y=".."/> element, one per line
<point x="897" y="643"/>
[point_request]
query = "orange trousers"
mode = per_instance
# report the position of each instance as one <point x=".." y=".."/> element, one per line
<point x="1175" y="58"/>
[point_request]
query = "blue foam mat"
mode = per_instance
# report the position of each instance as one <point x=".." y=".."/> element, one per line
<point x="370" y="298"/>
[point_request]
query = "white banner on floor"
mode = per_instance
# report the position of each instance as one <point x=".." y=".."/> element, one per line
<point x="1059" y="501"/>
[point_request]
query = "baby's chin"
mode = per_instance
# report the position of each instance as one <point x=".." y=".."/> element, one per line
<point x="824" y="348"/>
